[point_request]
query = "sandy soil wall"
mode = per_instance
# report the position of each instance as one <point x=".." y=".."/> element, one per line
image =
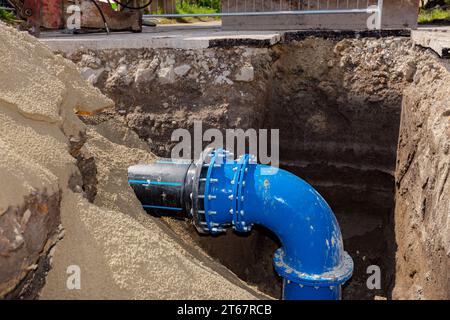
<point x="422" y="213"/>
<point x="38" y="97"/>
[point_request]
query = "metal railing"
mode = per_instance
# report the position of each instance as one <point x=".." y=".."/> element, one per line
<point x="235" y="8"/>
<point x="5" y="5"/>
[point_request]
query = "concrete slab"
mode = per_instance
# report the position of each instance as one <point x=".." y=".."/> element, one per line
<point x="436" y="38"/>
<point x="195" y="36"/>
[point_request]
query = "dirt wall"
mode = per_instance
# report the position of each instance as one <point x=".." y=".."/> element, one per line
<point x="422" y="213"/>
<point x="337" y="103"/>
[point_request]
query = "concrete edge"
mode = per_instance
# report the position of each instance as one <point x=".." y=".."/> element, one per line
<point x="429" y="40"/>
<point x="141" y="41"/>
<point x="344" y="34"/>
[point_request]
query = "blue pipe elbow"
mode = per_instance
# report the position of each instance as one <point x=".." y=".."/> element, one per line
<point x="224" y="193"/>
<point x="312" y="260"/>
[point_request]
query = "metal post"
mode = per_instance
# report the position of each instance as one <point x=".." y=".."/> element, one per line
<point x="379" y="14"/>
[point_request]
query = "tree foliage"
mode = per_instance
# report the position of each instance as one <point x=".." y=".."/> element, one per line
<point x="213" y="4"/>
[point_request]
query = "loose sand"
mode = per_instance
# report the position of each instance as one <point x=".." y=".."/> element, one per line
<point x="39" y="93"/>
<point x="121" y="251"/>
<point x="126" y="253"/>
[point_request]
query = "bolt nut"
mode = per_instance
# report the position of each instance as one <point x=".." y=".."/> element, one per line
<point x="28" y="12"/>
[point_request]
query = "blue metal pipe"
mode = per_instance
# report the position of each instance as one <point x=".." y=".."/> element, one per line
<point x="239" y="193"/>
<point x="312" y="255"/>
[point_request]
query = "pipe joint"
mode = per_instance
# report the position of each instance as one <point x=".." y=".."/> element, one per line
<point x="332" y="278"/>
<point x="218" y="192"/>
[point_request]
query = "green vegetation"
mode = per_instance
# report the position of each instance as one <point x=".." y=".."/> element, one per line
<point x="7" y="16"/>
<point x="186" y="7"/>
<point x="194" y="7"/>
<point x="434" y="15"/>
<point x="213" y="5"/>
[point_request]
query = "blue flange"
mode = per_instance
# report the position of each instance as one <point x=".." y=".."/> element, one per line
<point x="240" y="193"/>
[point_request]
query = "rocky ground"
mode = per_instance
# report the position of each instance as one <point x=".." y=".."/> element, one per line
<point x="159" y="89"/>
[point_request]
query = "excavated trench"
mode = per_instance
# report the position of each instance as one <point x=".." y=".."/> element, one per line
<point x="343" y="145"/>
<point x="337" y="104"/>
